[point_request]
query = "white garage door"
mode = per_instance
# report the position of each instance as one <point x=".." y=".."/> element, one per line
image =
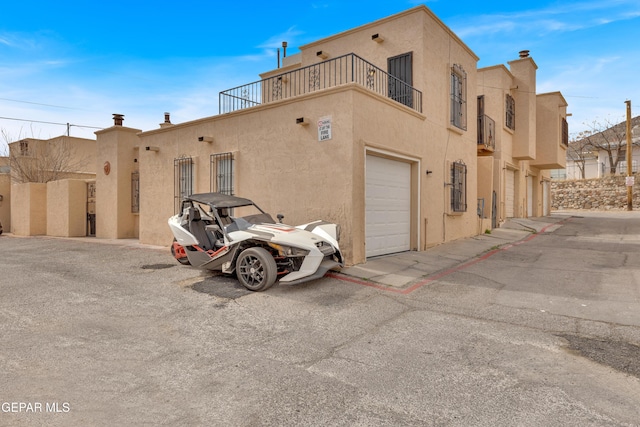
<point x="510" y="186"/>
<point x="387" y="206"/>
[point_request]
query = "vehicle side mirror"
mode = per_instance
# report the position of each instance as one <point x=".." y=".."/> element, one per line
<point x="280" y="218"/>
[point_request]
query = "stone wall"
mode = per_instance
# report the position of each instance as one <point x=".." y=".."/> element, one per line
<point x="608" y="193"/>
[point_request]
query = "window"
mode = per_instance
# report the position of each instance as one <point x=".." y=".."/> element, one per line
<point x="510" y="108"/>
<point x="458" y="187"/>
<point x="222" y="173"/>
<point x="183" y="180"/>
<point x="565" y="132"/>
<point x="458" y="97"/>
<point x="622" y="167"/>
<point x="401" y="78"/>
<point x="24" y="148"/>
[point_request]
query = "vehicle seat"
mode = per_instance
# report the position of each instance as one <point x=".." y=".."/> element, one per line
<point x="224" y="216"/>
<point x="197" y="228"/>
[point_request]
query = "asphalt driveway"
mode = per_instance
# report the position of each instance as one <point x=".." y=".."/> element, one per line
<point x="112" y="334"/>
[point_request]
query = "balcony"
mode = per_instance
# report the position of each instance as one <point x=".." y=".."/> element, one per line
<point x="334" y="72"/>
<point x="486" y="134"/>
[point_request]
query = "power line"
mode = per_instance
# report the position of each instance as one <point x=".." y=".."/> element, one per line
<point x="38" y="103"/>
<point x="50" y="123"/>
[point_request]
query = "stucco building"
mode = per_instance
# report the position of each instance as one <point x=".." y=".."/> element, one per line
<point x="531" y="139"/>
<point x="384" y="129"/>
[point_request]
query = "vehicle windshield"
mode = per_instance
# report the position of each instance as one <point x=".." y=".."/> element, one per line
<point x="242" y="218"/>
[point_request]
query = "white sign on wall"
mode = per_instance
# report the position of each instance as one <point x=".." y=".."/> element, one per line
<point x="324" y="128"/>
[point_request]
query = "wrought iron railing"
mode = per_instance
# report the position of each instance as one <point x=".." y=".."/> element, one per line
<point x="487" y="132"/>
<point x="345" y="69"/>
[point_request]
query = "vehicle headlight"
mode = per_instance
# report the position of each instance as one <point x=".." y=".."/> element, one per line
<point x="338" y="230"/>
<point x="292" y="251"/>
<point x="289" y="250"/>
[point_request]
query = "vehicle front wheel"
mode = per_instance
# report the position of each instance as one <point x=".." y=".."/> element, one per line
<point x="256" y="269"/>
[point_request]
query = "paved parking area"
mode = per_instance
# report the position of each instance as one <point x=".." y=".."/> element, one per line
<point x="100" y="334"/>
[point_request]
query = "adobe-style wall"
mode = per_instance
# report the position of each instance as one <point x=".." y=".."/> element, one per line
<point x="29" y="208"/>
<point x="608" y="193"/>
<point x="67" y="208"/>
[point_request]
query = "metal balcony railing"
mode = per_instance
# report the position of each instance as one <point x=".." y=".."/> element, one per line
<point x="487" y="132"/>
<point x="345" y="69"/>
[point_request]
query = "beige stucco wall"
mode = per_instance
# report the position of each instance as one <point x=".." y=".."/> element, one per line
<point x="67" y="208"/>
<point x="29" y="209"/>
<point x="551" y="153"/>
<point x="279" y="164"/>
<point x="524" y="73"/>
<point x="116" y="146"/>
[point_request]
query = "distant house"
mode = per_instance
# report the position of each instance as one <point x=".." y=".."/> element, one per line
<point x="603" y="153"/>
<point x="388" y="129"/>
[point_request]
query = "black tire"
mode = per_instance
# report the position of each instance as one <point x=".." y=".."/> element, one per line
<point x="256" y="269"/>
<point x="183" y="261"/>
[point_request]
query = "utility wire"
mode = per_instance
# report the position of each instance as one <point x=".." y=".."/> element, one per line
<point x="50" y="123"/>
<point x="38" y="103"/>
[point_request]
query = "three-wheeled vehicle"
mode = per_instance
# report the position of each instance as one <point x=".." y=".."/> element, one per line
<point x="215" y="231"/>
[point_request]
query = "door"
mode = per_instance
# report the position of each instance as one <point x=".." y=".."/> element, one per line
<point x="387" y="206"/>
<point x="91" y="209"/>
<point x="509" y="197"/>
<point x="400" y="70"/>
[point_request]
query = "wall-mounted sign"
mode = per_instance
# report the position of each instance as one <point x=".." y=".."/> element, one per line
<point x="324" y="128"/>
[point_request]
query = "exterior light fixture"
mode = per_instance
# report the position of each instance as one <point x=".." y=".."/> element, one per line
<point x="205" y="138"/>
<point x="302" y="121"/>
<point x="321" y="54"/>
<point x="150" y="148"/>
<point x="377" y="38"/>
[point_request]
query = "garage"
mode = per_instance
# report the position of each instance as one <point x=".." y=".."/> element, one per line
<point x="387" y="206"/>
<point x="509" y="199"/>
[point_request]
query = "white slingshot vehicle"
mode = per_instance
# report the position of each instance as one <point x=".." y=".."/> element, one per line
<point x="208" y="235"/>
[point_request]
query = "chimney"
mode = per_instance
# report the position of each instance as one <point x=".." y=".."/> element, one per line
<point x="118" y="119"/>
<point x="524" y="54"/>
<point x="167" y="120"/>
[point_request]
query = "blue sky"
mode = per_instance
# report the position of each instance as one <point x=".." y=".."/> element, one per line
<point x="80" y="61"/>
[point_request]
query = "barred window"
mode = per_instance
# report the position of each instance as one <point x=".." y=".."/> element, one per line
<point x="510" y="109"/>
<point x="458" y="97"/>
<point x="565" y="132"/>
<point x="458" y="187"/>
<point x="222" y="173"/>
<point x="183" y="180"/>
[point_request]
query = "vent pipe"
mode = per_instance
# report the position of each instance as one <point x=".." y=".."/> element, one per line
<point x="118" y="119"/>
